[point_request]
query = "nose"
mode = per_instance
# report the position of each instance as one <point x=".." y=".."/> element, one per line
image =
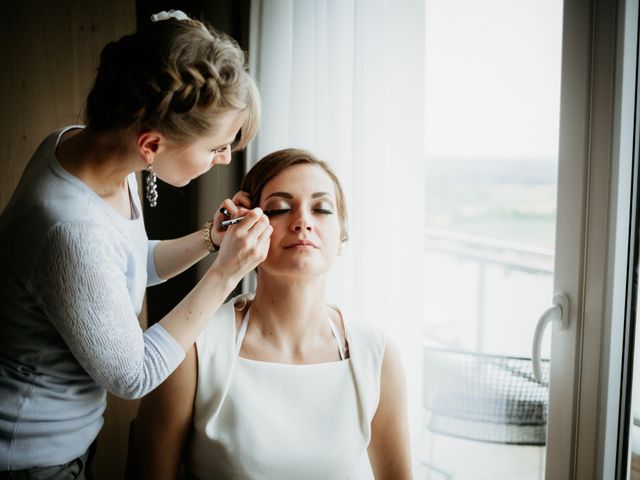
<point x="224" y="157"/>
<point x="301" y="222"/>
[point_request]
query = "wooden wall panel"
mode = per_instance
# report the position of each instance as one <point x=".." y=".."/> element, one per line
<point x="50" y="52"/>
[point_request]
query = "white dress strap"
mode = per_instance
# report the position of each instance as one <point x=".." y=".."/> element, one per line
<point x="338" y="338"/>
<point x="242" y="331"/>
<point x="245" y="323"/>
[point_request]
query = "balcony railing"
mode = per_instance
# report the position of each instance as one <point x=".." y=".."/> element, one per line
<point x="485" y="253"/>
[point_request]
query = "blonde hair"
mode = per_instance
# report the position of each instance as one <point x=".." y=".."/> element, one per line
<point x="176" y="77"/>
<point x="275" y="163"/>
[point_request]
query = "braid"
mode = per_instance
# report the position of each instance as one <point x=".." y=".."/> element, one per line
<point x="175" y="77"/>
<point x="187" y="97"/>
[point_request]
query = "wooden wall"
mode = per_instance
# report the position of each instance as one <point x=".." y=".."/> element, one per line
<point x="49" y="51"/>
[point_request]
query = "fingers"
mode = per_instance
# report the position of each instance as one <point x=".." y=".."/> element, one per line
<point x="262" y="245"/>
<point x="253" y="224"/>
<point x="245" y="244"/>
<point x="242" y="199"/>
<point x="231" y="208"/>
<point x="249" y="238"/>
<point x="258" y="229"/>
<point x="265" y="236"/>
<point x="253" y="219"/>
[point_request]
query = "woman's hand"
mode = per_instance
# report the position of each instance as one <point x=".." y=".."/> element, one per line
<point x="243" y="248"/>
<point x="236" y="207"/>
<point x="245" y="244"/>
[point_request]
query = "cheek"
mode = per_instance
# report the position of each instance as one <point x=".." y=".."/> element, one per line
<point x="333" y="233"/>
<point x="205" y="159"/>
<point x="186" y="162"/>
<point x="331" y="241"/>
<point x="199" y="164"/>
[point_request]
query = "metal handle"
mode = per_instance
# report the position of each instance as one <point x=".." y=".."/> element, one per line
<point x="559" y="312"/>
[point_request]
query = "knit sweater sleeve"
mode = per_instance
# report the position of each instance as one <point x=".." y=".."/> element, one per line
<point x="80" y="282"/>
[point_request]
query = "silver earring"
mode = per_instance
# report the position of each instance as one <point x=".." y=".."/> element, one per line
<point x="151" y="188"/>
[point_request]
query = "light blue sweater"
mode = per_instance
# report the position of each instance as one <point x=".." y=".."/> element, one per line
<point x="73" y="273"/>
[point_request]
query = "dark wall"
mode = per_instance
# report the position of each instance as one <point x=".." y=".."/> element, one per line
<point x="177" y="212"/>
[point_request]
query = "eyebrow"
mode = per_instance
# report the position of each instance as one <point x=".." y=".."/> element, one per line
<point x="223" y="145"/>
<point x="289" y="196"/>
<point x="237" y="136"/>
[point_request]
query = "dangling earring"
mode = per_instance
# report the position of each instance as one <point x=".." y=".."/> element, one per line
<point x="151" y="188"/>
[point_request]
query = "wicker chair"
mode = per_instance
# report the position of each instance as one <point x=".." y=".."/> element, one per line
<point x="486" y="398"/>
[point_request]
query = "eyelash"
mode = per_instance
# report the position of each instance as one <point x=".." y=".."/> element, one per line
<point x="231" y="146"/>
<point x="218" y="151"/>
<point x="324" y="211"/>
<point x="277" y="211"/>
<point x="280" y="211"/>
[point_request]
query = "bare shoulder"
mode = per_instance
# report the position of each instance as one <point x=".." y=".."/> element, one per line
<point x="392" y="377"/>
<point x="392" y="357"/>
<point x="162" y="426"/>
<point x="389" y="449"/>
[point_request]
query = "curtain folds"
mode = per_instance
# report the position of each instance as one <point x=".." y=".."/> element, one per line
<point x="345" y="80"/>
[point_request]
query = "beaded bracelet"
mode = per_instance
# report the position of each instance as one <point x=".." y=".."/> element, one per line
<point x="206" y="234"/>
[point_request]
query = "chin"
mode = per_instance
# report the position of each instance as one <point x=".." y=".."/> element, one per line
<point x="182" y="183"/>
<point x="176" y="182"/>
<point x="299" y="269"/>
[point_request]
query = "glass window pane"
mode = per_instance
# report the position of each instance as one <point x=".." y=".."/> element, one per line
<point x="491" y="140"/>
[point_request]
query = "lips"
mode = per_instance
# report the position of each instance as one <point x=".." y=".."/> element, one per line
<point x="301" y="243"/>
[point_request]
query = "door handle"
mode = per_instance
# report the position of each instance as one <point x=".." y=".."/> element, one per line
<point x="558" y="312"/>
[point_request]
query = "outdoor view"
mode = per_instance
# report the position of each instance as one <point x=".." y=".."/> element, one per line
<point x="492" y="113"/>
<point x="490" y="235"/>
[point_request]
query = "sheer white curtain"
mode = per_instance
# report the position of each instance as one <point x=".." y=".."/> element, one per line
<point x="345" y="80"/>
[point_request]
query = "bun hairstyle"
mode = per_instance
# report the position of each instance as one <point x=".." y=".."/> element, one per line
<point x="275" y="163"/>
<point x="176" y="77"/>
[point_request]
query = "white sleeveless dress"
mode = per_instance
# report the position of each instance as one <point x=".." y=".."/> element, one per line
<point x="265" y="420"/>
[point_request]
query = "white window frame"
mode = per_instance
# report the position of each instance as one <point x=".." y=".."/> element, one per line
<point x="592" y="238"/>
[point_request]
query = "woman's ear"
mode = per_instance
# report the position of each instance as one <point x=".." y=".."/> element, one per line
<point x="341" y="247"/>
<point x="149" y="144"/>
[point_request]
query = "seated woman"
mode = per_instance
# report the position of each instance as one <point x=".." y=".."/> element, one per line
<point x="282" y="386"/>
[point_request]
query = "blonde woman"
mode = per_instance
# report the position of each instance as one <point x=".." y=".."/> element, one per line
<point x="282" y="385"/>
<point x="174" y="99"/>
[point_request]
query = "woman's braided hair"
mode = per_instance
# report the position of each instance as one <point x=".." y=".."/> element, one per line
<point x="176" y="77"/>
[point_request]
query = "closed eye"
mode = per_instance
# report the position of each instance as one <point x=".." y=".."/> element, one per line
<point x="324" y="211"/>
<point x="278" y="211"/>
<point x="220" y="150"/>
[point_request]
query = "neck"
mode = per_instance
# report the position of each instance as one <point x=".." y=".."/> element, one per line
<point x="290" y="311"/>
<point x="101" y="160"/>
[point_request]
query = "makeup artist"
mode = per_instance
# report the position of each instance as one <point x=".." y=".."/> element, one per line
<point x="174" y="99"/>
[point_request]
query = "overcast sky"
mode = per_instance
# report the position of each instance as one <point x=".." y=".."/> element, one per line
<point x="493" y="78"/>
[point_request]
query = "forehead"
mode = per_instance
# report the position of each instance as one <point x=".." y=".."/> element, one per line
<point x="228" y="124"/>
<point x="300" y="180"/>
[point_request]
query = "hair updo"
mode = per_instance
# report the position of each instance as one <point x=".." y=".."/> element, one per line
<point x="176" y="77"/>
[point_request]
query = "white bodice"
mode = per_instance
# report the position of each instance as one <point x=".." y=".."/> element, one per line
<point x="264" y="420"/>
